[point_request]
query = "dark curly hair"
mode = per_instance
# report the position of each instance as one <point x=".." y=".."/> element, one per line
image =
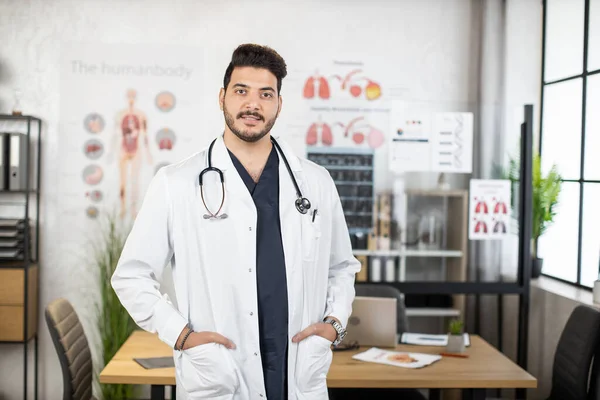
<point x="257" y="56"/>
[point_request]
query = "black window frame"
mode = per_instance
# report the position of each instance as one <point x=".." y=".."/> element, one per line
<point x="583" y="76"/>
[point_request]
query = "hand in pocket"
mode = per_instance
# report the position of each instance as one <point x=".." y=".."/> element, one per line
<point x="199" y="338"/>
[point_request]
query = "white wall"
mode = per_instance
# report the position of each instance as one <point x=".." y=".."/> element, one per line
<point x="429" y="44"/>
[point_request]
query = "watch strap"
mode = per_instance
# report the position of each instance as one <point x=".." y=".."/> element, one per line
<point x="341" y="332"/>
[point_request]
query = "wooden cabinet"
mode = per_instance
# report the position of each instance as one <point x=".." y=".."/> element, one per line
<point x="14" y="303"/>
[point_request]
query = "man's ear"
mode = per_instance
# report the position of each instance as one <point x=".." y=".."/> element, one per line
<point x="280" y="104"/>
<point x="221" y="98"/>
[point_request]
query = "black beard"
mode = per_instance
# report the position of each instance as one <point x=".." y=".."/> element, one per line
<point x="245" y="136"/>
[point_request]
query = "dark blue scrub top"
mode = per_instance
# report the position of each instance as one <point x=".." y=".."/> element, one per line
<point x="270" y="275"/>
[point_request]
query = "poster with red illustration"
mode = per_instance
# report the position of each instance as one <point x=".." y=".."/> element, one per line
<point x="345" y="129"/>
<point x="489" y="209"/>
<point x="346" y="107"/>
<point x="342" y="82"/>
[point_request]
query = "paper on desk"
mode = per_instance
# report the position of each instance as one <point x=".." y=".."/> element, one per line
<point x="396" y="358"/>
<point x="425" y="339"/>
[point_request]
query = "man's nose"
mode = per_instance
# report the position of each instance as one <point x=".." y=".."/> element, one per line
<point x="253" y="102"/>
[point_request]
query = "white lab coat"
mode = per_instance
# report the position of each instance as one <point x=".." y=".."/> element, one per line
<point x="214" y="274"/>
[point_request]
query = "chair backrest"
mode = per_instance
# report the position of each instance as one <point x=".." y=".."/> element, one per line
<point x="72" y="348"/>
<point x="380" y="290"/>
<point x="575" y="351"/>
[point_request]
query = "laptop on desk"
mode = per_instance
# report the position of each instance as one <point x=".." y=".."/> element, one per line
<point x="373" y="322"/>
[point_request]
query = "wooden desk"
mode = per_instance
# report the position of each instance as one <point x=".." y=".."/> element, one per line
<point x="485" y="368"/>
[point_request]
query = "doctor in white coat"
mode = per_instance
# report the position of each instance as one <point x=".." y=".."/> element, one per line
<point x="260" y="254"/>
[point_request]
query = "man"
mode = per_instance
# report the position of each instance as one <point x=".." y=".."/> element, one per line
<point x="264" y="285"/>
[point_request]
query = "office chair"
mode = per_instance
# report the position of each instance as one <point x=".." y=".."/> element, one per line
<point x="370" y="290"/>
<point x="72" y="348"/>
<point x="577" y="347"/>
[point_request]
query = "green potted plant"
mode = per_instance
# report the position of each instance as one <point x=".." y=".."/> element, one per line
<point x="114" y="324"/>
<point x="545" y="196"/>
<point x="456" y="340"/>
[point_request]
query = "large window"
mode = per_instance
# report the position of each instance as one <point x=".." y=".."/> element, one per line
<point x="570" y="137"/>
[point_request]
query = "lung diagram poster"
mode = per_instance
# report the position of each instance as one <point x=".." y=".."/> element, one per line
<point x="489" y="209"/>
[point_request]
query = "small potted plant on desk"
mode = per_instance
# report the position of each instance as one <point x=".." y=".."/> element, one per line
<point x="456" y="340"/>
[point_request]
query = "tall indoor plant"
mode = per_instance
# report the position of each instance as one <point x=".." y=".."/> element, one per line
<point x="114" y="323"/>
<point x="545" y="196"/>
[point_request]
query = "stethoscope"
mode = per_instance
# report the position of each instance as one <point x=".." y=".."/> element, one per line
<point x="302" y="203"/>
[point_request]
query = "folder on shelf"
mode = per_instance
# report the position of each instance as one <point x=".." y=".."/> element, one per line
<point x="17" y="179"/>
<point x="3" y="161"/>
<point x="11" y="254"/>
<point x="12" y="223"/>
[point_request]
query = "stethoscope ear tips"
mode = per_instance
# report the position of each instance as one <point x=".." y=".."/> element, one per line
<point x="302" y="205"/>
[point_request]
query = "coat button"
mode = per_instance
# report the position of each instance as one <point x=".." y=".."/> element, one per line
<point x="250" y="228"/>
<point x="256" y="354"/>
<point x="250" y="270"/>
<point x="251" y="313"/>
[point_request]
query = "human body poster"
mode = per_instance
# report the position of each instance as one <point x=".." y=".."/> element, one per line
<point x="125" y="111"/>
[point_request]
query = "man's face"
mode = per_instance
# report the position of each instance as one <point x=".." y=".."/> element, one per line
<point x="251" y="103"/>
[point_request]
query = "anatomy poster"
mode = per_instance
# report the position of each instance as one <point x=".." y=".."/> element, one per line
<point x="346" y="108"/>
<point x="342" y="106"/>
<point x="489" y="209"/>
<point x="422" y="140"/>
<point x="410" y="140"/>
<point x="452" y="144"/>
<point x="125" y="111"/>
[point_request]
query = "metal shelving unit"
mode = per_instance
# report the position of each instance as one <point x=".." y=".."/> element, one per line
<point x="21" y="302"/>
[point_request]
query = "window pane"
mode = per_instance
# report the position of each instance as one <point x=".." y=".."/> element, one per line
<point x="594" y="36"/>
<point x="558" y="246"/>
<point x="592" y="129"/>
<point x="564" y="39"/>
<point x="590" y="236"/>
<point x="561" y="136"/>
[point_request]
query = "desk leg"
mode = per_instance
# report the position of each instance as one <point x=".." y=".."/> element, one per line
<point x="157" y="392"/>
<point x="173" y="392"/>
<point x="435" y="394"/>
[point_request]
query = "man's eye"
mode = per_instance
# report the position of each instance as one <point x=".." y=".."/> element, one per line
<point x="268" y="94"/>
<point x="240" y="91"/>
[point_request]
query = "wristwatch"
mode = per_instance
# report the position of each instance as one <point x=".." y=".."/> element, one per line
<point x="341" y="332"/>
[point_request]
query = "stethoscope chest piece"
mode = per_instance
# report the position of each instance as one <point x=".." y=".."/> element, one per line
<point x="302" y="205"/>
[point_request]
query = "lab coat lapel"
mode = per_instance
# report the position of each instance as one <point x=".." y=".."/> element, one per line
<point x="288" y="214"/>
<point x="235" y="188"/>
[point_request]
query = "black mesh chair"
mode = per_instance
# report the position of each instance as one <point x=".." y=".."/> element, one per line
<point x="573" y="361"/>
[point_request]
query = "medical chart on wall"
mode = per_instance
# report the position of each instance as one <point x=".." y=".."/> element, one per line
<point x="489" y="209"/>
<point x="125" y="111"/>
<point x="430" y="141"/>
<point x="341" y="105"/>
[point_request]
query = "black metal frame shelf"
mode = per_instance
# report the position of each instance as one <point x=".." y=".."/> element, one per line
<point x="29" y="261"/>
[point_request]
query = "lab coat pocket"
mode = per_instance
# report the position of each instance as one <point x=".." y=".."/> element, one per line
<point x="317" y="357"/>
<point x="209" y="371"/>
<point x="311" y="235"/>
